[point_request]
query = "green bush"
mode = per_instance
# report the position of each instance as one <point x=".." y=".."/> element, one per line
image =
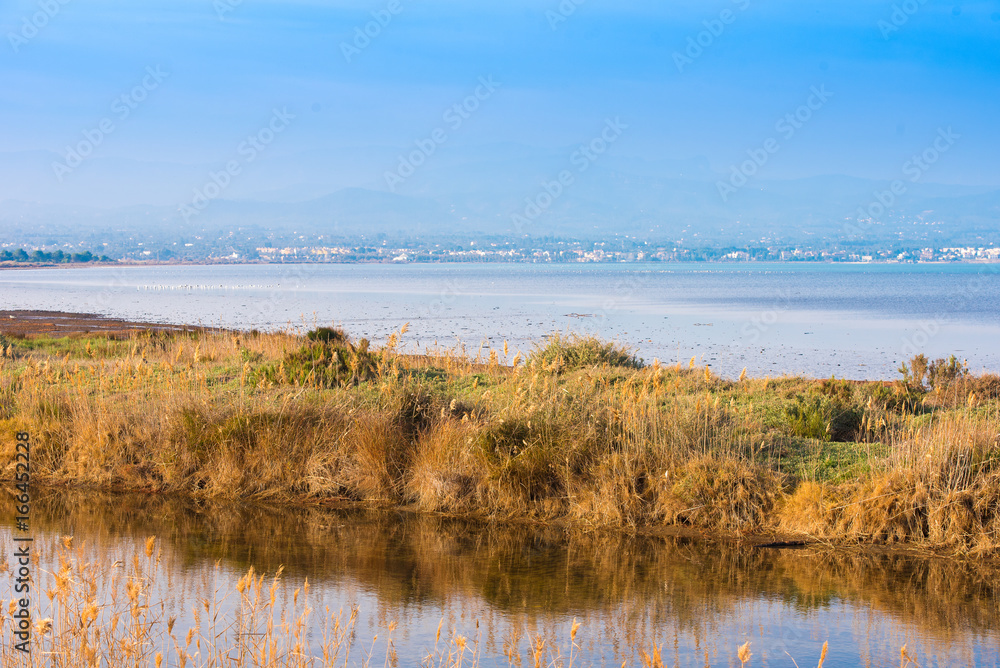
<point x="328" y="360"/>
<point x="838" y="390"/>
<point x="571" y="352"/>
<point x="504" y="439"/>
<point x="328" y="335"/>
<point x="913" y="374"/>
<point x="823" y="418"/>
<point x="939" y="374"/>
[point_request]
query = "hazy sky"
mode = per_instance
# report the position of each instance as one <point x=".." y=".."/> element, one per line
<point x="896" y="76"/>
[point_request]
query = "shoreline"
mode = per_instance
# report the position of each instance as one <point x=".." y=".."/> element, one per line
<point x="764" y="540"/>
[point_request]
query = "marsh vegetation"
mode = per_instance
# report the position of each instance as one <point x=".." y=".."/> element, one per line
<point x="577" y="431"/>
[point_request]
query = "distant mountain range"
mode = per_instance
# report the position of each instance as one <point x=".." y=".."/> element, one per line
<point x="498" y="190"/>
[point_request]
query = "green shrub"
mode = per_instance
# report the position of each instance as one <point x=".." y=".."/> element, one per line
<point x="838" y="390"/>
<point x="824" y="419"/>
<point x="567" y="353"/>
<point x="939" y="374"/>
<point x="328" y="360"/>
<point x="915" y="372"/>
<point x="328" y="335"/>
<point x="807" y="419"/>
<point x="986" y="386"/>
<point x="504" y="439"/>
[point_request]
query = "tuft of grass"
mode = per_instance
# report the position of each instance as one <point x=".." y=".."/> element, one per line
<point x="823" y="418"/>
<point x="729" y="494"/>
<point x="328" y="359"/>
<point x="328" y="335"/>
<point x="568" y="353"/>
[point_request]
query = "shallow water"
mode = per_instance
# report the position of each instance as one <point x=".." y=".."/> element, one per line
<point x="694" y="598"/>
<point x="852" y="321"/>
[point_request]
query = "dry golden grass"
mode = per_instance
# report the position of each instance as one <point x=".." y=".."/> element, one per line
<point x="224" y="415"/>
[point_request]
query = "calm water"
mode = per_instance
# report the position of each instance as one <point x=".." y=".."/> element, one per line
<point x="693" y="598"/>
<point x="854" y="321"/>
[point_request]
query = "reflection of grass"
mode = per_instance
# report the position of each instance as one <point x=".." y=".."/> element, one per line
<point x="582" y="432"/>
<point x="411" y="560"/>
<point x="115" y="616"/>
<point x="109" y="615"/>
<point x="525" y="573"/>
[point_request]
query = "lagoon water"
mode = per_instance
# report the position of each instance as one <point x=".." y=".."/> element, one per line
<point x="848" y="320"/>
<point x="696" y="599"/>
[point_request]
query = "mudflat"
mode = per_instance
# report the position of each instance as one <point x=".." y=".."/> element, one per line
<point x="58" y="323"/>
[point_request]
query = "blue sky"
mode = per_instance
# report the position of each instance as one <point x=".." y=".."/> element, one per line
<point x="559" y="80"/>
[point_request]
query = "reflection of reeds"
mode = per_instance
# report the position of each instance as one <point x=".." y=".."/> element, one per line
<point x="113" y="616"/>
<point x="412" y="560"/>
<point x="115" y="619"/>
<point x="253" y="416"/>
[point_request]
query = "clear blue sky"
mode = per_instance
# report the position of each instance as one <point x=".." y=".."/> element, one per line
<point x="559" y="79"/>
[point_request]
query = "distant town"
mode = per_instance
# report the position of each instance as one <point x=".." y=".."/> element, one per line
<point x="202" y="250"/>
<point x="597" y="253"/>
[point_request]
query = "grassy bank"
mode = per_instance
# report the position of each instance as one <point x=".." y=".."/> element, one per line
<point x="578" y="431"/>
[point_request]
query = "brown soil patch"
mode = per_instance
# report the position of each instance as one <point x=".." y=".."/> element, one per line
<point x="57" y="323"/>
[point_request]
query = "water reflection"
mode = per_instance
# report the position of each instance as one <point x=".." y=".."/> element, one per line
<point x="697" y="599"/>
